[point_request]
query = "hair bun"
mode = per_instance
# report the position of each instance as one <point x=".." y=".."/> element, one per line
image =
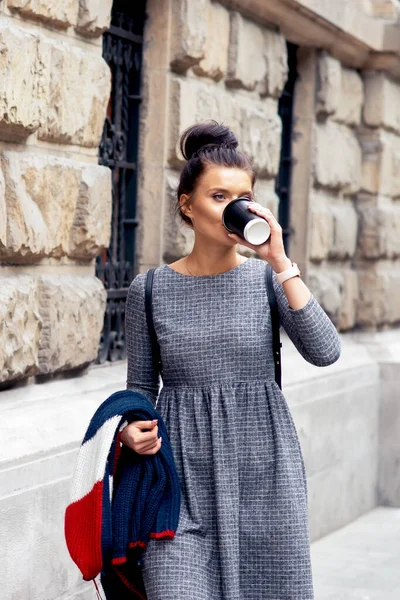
<point x="204" y="134"/>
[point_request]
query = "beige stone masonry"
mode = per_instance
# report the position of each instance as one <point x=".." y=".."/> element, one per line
<point x="379" y="294"/>
<point x="337" y="291"/>
<point x="337" y="158"/>
<point x="23" y="82"/>
<point x="53" y="207"/>
<point x="385" y="9"/>
<point x="52" y="12"/>
<point x="379" y="235"/>
<point x="72" y="309"/>
<point x="178" y="237"/>
<point x="382" y="102"/>
<point x="94" y="17"/>
<point x="334" y="224"/>
<point x="340" y="91"/>
<point x="257" y="58"/>
<point x="321" y="225"/>
<point x="345" y="227"/>
<point x="256" y="123"/>
<point x="20" y="326"/>
<point x="215" y="62"/>
<point x="91" y="229"/>
<point x="264" y="194"/>
<point x="381" y="162"/>
<point x="189" y="21"/>
<point x="75" y="112"/>
<point x="41" y="89"/>
<point x="41" y="196"/>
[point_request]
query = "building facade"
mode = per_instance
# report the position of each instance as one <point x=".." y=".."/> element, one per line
<point x="93" y="98"/>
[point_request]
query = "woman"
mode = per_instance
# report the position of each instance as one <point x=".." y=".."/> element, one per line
<point x="243" y="527"/>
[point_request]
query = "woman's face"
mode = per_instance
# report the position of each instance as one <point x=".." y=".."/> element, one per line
<point x="215" y="188"/>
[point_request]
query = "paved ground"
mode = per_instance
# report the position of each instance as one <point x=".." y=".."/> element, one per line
<point x="360" y="561"/>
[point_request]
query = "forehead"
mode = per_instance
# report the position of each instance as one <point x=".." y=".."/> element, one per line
<point x="216" y="176"/>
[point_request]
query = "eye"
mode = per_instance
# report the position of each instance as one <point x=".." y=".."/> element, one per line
<point x="219" y="196"/>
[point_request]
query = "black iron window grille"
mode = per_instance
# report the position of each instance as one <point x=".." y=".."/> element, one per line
<point x="122" y="50"/>
<point x="285" y="110"/>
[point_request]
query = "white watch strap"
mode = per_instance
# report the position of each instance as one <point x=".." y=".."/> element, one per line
<point x="293" y="271"/>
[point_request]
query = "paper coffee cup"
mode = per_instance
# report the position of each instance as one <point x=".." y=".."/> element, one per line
<point x="237" y="218"/>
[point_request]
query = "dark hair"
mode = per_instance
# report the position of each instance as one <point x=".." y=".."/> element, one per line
<point x="208" y="144"/>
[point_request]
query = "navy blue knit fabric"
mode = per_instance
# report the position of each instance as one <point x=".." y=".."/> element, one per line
<point x="146" y="493"/>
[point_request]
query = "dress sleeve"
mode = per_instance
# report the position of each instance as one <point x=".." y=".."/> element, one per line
<point x="141" y="375"/>
<point x="309" y="328"/>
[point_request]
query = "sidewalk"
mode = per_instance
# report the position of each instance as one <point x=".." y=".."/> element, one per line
<point x="360" y="561"/>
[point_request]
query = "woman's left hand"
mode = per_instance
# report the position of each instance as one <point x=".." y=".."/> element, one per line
<point x="272" y="250"/>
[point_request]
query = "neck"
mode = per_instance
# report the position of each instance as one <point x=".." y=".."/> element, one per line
<point x="212" y="260"/>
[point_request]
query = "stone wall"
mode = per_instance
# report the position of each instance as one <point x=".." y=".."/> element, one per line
<point x="228" y="68"/>
<point x="336" y="178"/>
<point x="353" y="238"/>
<point x="55" y="200"/>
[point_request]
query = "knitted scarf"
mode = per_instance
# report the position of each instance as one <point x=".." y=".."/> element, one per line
<point x="120" y="499"/>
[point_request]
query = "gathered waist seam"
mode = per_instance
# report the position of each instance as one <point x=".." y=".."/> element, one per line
<point x="217" y="384"/>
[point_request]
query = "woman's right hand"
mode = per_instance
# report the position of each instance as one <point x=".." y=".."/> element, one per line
<point x="142" y="437"/>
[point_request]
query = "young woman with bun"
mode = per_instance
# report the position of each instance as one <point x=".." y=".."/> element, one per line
<point x="243" y="526"/>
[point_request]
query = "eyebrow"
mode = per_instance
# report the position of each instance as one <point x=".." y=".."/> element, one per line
<point x="221" y="189"/>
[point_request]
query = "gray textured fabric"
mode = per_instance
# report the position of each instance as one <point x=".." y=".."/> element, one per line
<point x="243" y="527"/>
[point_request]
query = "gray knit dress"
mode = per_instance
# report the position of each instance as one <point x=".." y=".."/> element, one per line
<point x="243" y="526"/>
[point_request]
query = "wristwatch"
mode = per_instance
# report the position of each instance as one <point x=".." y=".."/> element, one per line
<point x="293" y="271"/>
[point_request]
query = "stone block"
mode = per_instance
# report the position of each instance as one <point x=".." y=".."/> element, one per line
<point x="41" y="194"/>
<point x="336" y="158"/>
<point x="329" y="84"/>
<point x="379" y="229"/>
<point x="381" y="162"/>
<point x="379" y="294"/>
<point x="345" y="228"/>
<point x="72" y="309"/>
<point x="321" y="234"/>
<point x="178" y="237"/>
<point x="382" y="102"/>
<point x="52" y="207"/>
<point x="215" y="62"/>
<point x="257" y="58"/>
<point x="20" y="326"/>
<point x="255" y="122"/>
<point x="91" y="228"/>
<point x="264" y="194"/>
<point x="351" y="98"/>
<point x="75" y="112"/>
<point x="23" y="77"/>
<point x="339" y="91"/>
<point x="51" y="12"/>
<point x="188" y="34"/>
<point x="337" y="292"/>
<point x="193" y="101"/>
<point x="94" y="17"/>
<point x="260" y="135"/>
<point x="385" y="9"/>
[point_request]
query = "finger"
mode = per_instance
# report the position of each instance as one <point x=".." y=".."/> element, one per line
<point x="155" y="448"/>
<point x="145" y="424"/>
<point x="268" y="216"/>
<point x="241" y="241"/>
<point x="146" y="437"/>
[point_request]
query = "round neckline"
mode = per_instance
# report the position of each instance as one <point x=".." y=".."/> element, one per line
<point x="205" y="276"/>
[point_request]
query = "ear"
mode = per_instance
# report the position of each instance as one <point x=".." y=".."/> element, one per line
<point x="184" y="202"/>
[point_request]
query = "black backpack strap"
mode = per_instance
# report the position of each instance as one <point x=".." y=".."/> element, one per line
<point x="149" y="318"/>
<point x="276" y="341"/>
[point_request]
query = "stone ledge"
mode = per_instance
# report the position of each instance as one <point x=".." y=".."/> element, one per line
<point x="355" y="38"/>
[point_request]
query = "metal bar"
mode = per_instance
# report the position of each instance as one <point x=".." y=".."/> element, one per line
<point x="125" y="35"/>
